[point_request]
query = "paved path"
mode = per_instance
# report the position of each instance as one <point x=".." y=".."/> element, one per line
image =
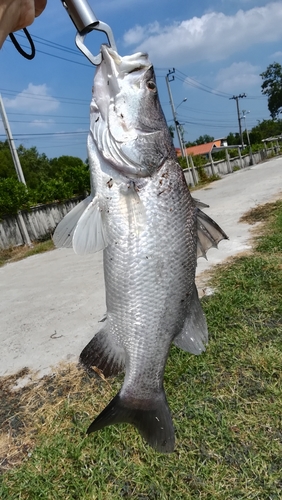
<point x="51" y="304"/>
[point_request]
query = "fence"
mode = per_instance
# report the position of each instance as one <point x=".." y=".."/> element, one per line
<point x="41" y="221"/>
<point x="223" y="167"/>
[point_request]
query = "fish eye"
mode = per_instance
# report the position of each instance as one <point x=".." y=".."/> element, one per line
<point x="151" y="85"/>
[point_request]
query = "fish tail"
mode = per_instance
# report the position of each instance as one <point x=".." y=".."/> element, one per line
<point x="152" y="419"/>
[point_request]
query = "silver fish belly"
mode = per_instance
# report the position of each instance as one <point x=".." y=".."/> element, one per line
<point x="142" y="215"/>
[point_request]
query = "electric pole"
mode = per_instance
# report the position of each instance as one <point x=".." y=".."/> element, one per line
<point x="169" y="78"/>
<point x="11" y="143"/>
<point x="18" y="168"/>
<point x="236" y="98"/>
<point x="244" y="114"/>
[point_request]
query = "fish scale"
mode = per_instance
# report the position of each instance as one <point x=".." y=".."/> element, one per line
<point x="149" y="314"/>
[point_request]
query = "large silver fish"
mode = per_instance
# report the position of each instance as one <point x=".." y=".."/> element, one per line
<point x="142" y="215"/>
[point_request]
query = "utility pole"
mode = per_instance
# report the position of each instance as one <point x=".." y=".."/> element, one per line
<point x="11" y="143"/>
<point x="244" y="114"/>
<point x="236" y="98"/>
<point x="169" y="78"/>
<point x="18" y="168"/>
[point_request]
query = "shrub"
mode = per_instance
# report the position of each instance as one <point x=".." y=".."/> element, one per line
<point x="14" y="196"/>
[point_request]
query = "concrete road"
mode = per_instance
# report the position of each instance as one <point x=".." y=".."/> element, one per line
<point x="51" y="304"/>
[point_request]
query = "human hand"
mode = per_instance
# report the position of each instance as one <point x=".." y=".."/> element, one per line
<point x="17" y="14"/>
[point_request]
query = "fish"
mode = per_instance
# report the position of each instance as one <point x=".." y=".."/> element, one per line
<point x="141" y="214"/>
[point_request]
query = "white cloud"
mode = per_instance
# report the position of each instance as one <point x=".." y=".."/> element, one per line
<point x="238" y="77"/>
<point x="138" y="33"/>
<point x="213" y="37"/>
<point x="276" y="54"/>
<point x="35" y="99"/>
<point x="41" y="123"/>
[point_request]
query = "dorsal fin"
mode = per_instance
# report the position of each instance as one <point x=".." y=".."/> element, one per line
<point x="209" y="232"/>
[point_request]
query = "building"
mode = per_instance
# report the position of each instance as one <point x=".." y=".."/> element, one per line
<point x="203" y="149"/>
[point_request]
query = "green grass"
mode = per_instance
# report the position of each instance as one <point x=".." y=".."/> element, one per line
<point x="226" y="406"/>
<point x="13" y="254"/>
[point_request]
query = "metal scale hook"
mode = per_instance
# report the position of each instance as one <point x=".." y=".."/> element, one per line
<point x="85" y="21"/>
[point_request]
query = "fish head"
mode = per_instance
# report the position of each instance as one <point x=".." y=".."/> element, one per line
<point x="127" y="121"/>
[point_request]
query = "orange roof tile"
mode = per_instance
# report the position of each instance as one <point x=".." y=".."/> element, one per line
<point x="202" y="149"/>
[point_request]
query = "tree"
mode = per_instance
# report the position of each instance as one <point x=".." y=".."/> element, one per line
<point x="204" y="139"/>
<point x="233" y="139"/>
<point x="272" y="87"/>
<point x="265" y="129"/>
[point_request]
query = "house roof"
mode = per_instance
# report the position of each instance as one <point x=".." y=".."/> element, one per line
<point x="202" y="149"/>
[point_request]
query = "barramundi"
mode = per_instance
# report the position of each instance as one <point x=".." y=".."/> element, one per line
<point x="141" y="214"/>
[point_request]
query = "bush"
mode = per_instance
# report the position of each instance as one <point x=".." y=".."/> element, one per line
<point x="14" y="196"/>
<point x="53" y="190"/>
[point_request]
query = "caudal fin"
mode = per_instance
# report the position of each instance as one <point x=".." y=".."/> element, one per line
<point x="154" y="423"/>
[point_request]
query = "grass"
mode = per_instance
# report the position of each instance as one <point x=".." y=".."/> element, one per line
<point x="13" y="254"/>
<point x="226" y="406"/>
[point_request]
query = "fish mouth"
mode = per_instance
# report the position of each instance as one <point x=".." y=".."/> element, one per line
<point x="119" y="67"/>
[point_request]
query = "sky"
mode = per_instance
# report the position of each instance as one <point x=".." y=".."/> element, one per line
<point x="217" y="48"/>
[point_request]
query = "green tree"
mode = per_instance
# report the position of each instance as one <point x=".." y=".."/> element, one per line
<point x="36" y="166"/>
<point x="204" y="139"/>
<point x="265" y="129"/>
<point x="233" y="139"/>
<point x="71" y="170"/>
<point x="272" y="87"/>
<point x="14" y="195"/>
<point x="7" y="168"/>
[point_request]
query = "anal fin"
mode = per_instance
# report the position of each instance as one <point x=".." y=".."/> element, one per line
<point x="194" y="334"/>
<point x="103" y="353"/>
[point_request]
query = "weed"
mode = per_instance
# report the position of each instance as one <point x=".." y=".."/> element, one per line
<point x="13" y="254"/>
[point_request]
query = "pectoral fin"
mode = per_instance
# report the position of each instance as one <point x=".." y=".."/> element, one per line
<point x="194" y="334"/>
<point x="63" y="234"/>
<point x="90" y="234"/>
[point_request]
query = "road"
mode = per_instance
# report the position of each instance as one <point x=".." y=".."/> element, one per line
<point x="51" y="303"/>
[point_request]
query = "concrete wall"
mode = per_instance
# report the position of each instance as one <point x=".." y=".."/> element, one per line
<point x="40" y="222"/>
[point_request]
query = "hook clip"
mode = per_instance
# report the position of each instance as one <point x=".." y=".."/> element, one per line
<point x="85" y="21"/>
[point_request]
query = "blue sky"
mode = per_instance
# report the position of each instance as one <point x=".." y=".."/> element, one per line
<point x="218" y="49"/>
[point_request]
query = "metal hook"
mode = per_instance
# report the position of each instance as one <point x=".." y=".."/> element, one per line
<point x="85" y="21"/>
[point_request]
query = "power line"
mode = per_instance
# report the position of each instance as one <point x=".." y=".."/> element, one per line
<point x="35" y="122"/>
<point x="41" y="95"/>
<point x="201" y="86"/>
<point x="89" y="65"/>
<point x="49" y="133"/>
<point x="43" y="114"/>
<point x="49" y="43"/>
